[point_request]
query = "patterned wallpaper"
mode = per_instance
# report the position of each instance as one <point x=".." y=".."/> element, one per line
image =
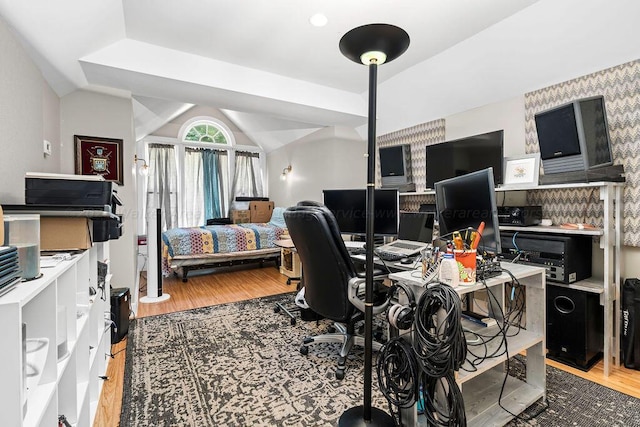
<point x="620" y="87"/>
<point x="418" y="137"/>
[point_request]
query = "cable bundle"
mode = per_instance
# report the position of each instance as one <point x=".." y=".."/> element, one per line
<point x="443" y="412"/>
<point x="398" y="375"/>
<point x="441" y="349"/>
<point x="439" y="343"/>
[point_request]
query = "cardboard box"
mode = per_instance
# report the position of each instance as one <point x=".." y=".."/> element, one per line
<point x="65" y="233"/>
<point x="261" y="211"/>
<point x="240" y="216"/>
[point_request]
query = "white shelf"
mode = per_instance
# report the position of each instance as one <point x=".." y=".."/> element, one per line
<point x="481" y="384"/>
<point x="64" y="386"/>
<point x="611" y="238"/>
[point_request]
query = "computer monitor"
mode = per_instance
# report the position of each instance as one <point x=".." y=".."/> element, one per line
<point x="461" y="156"/>
<point x="350" y="208"/>
<point x="466" y="201"/>
<point x="416" y="226"/>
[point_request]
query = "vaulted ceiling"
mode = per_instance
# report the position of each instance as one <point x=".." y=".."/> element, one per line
<point x="274" y="75"/>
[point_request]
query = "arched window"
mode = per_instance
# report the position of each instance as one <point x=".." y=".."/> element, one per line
<point x="208" y="131"/>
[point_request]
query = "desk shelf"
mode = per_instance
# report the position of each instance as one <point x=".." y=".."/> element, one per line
<point x="610" y="236"/>
<point x="481" y="387"/>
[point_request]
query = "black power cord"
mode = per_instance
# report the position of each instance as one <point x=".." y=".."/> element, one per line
<point x="398" y="376"/>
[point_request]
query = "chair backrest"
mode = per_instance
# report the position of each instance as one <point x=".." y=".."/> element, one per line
<point x="326" y="264"/>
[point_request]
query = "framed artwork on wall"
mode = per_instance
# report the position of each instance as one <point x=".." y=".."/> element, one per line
<point x="99" y="156"/>
<point x="522" y="171"/>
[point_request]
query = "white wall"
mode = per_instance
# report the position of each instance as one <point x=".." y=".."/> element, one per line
<point x="171" y="129"/>
<point x="29" y="113"/>
<point x="549" y="42"/>
<point x="329" y="158"/>
<point x="94" y="114"/>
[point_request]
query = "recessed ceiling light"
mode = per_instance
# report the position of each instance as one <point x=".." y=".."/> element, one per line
<point x="318" y="20"/>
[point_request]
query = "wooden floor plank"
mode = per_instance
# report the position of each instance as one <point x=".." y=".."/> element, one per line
<point x="241" y="283"/>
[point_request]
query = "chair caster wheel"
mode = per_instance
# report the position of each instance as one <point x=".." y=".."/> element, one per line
<point x="340" y="374"/>
<point x="293" y="322"/>
<point x="304" y="350"/>
<point x="276" y="309"/>
<point x="331" y="329"/>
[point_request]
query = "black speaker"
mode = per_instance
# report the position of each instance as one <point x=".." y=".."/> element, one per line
<point x="120" y="303"/>
<point x="575" y="322"/>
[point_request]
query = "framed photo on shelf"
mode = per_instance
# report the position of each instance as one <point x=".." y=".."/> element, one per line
<point x="522" y="171"/>
<point x="99" y="156"/>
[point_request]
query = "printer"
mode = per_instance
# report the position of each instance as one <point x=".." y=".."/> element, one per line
<point x="90" y="196"/>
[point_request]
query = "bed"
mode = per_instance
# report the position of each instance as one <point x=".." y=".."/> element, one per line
<point x="191" y="248"/>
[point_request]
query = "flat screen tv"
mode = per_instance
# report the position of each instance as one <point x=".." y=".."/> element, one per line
<point x="462" y="156"/>
<point x="574" y="136"/>
<point x="465" y="202"/>
<point x="395" y="165"/>
<point x="350" y="210"/>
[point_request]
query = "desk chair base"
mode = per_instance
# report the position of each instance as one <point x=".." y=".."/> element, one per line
<point x="342" y="336"/>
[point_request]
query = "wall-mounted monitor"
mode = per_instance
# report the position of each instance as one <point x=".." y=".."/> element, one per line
<point x="574" y="136"/>
<point x="350" y="210"/>
<point x="461" y="156"/>
<point x="395" y="165"/>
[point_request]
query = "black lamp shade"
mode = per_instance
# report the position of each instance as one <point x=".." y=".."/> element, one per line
<point x="391" y="40"/>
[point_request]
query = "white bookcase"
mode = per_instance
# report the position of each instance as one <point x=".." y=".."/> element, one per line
<point x="39" y="384"/>
<point x="481" y="386"/>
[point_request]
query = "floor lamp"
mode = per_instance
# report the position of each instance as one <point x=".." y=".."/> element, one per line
<point x="371" y="45"/>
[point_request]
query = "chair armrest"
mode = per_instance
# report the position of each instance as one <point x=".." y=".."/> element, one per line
<point x="357" y="288"/>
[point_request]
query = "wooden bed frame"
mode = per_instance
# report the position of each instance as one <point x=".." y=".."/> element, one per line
<point x="186" y="263"/>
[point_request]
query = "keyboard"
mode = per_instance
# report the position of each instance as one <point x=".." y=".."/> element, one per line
<point x="406" y="245"/>
<point x="357" y="251"/>
<point x="389" y="256"/>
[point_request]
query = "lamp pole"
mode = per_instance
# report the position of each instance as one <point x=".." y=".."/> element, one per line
<point x="372" y="45"/>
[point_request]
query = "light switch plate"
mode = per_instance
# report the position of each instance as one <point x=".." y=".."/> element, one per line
<point x="47" y="148"/>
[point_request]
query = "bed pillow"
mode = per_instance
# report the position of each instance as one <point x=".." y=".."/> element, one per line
<point x="277" y="218"/>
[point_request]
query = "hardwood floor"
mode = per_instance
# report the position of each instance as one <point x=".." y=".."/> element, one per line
<point x="237" y="284"/>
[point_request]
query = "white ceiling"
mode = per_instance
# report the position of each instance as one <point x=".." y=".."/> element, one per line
<point x="260" y="61"/>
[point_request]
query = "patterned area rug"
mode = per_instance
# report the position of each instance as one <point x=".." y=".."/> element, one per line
<point x="239" y="365"/>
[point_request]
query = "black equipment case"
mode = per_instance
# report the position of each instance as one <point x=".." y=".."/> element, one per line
<point x="630" y="339"/>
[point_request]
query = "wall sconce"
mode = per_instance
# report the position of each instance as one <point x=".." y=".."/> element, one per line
<point x="143" y="170"/>
<point x="286" y="171"/>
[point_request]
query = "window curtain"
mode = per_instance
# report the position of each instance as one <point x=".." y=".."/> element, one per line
<point x="215" y="180"/>
<point x="193" y="213"/>
<point x="162" y="184"/>
<point x="248" y="176"/>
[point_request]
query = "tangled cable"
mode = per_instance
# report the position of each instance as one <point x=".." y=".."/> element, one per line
<point x="443" y="402"/>
<point x="398" y="375"/>
<point x="439" y="342"/>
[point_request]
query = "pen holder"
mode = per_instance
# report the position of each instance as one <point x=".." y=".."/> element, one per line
<point x="466" y="260"/>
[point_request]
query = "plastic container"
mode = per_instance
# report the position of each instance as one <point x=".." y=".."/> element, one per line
<point x="23" y="232"/>
<point x="448" y="273"/>
<point x="466" y="260"/>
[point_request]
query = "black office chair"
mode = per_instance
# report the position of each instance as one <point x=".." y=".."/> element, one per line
<point x="333" y="288"/>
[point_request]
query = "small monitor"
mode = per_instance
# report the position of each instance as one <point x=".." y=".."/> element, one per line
<point x="395" y="165"/>
<point x="416" y="226"/>
<point x="350" y="208"/>
<point x="466" y="201"/>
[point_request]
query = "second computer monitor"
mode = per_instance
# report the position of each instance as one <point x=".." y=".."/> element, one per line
<point x="416" y="226"/>
<point x="349" y="207"/>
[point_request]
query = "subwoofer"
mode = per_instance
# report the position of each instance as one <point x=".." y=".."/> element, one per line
<point x="575" y="321"/>
<point x="120" y="308"/>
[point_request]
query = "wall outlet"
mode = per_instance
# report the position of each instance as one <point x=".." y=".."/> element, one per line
<point x="47" y="148"/>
